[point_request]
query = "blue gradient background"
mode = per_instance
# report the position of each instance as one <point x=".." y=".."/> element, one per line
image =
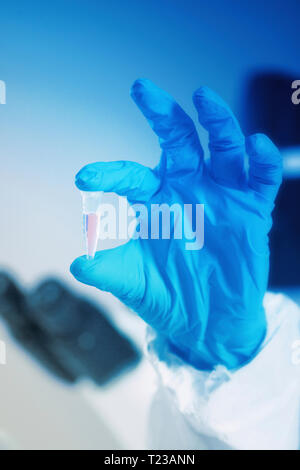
<point x="68" y="66"/>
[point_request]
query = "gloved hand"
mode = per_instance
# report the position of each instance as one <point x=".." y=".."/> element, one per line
<point x="206" y="303"/>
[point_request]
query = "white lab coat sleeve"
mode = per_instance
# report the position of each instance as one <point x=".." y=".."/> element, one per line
<point x="254" y="407"/>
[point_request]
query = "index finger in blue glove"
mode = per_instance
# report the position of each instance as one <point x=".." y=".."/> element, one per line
<point x="265" y="165"/>
<point x="176" y="131"/>
<point x="139" y="183"/>
<point x="226" y="140"/>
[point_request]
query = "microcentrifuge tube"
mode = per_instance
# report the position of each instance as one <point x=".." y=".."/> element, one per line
<point x="91" y="204"/>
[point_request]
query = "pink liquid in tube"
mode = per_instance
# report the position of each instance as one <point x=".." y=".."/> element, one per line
<point x="91" y="224"/>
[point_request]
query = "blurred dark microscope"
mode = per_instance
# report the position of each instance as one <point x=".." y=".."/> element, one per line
<point x="69" y="335"/>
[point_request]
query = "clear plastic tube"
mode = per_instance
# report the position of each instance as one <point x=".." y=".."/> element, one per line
<point x="91" y="204"/>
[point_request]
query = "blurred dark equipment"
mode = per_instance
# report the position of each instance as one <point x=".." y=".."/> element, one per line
<point x="269" y="109"/>
<point x="70" y="336"/>
<point x="14" y="310"/>
<point x="285" y="236"/>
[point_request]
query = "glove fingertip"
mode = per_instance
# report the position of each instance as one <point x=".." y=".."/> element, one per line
<point x="80" y="266"/>
<point x="76" y="267"/>
<point x="202" y="92"/>
<point x="205" y="96"/>
<point x="265" y="165"/>
<point x="86" y="177"/>
<point x="261" y="148"/>
<point x="139" y="87"/>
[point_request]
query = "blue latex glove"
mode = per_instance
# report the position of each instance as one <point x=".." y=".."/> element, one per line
<point x="207" y="303"/>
